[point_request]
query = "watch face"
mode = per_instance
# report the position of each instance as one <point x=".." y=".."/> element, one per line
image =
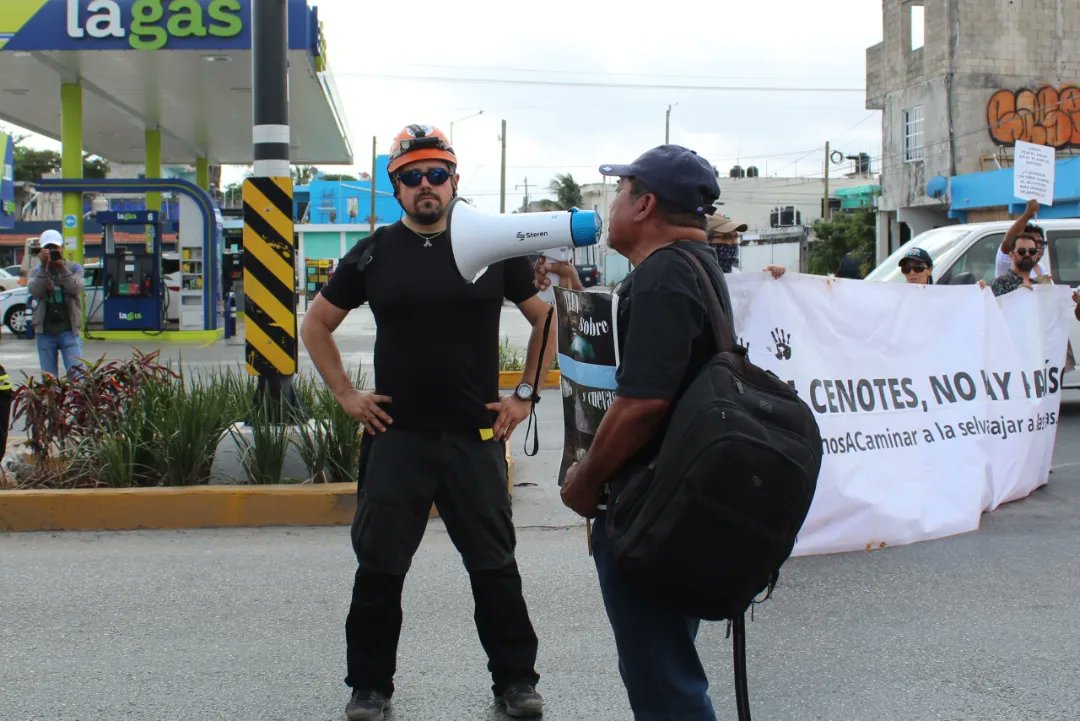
<point x="524" y="391"/>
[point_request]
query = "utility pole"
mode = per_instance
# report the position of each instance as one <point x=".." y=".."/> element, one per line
<point x="502" y="174"/>
<point x="525" y="205"/>
<point x="269" y="242"/>
<point x="667" y="125"/>
<point x="825" y="207"/>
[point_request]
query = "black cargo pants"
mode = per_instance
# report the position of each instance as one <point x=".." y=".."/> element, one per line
<point x="404" y="472"/>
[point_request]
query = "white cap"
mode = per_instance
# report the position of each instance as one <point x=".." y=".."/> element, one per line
<point x="50" y="238"/>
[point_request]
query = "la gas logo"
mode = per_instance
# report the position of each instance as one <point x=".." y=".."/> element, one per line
<point x="151" y="23"/>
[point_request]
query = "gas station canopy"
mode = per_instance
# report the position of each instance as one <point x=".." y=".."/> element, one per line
<point x="179" y="66"/>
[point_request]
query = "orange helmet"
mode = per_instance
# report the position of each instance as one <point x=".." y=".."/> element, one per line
<point x="419" y="142"/>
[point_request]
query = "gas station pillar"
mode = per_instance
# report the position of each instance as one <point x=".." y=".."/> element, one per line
<point x="153" y="165"/>
<point x="202" y="173"/>
<point x="71" y="166"/>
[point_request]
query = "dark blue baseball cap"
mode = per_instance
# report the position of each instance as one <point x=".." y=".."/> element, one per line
<point x="678" y="175"/>
<point x="917" y="254"/>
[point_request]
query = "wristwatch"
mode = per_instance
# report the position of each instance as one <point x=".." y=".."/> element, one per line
<point x="525" y="392"/>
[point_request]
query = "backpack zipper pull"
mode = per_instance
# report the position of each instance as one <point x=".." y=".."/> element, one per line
<point x="738" y="384"/>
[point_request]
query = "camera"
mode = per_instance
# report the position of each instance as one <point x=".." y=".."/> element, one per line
<point x="55" y="255"/>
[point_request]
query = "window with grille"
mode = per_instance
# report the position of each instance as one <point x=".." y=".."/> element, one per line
<point x="913" y="134"/>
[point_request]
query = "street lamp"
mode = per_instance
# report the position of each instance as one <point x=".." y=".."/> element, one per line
<point x="459" y="120"/>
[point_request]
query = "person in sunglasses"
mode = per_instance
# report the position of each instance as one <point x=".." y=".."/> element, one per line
<point x="1024" y="253"/>
<point x="1023" y="226"/>
<point x="917" y="267"/>
<point x="436" y="425"/>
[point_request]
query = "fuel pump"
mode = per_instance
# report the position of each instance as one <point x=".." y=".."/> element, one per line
<point x="132" y="285"/>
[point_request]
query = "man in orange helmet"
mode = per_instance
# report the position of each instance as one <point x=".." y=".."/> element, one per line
<point x="435" y="422"/>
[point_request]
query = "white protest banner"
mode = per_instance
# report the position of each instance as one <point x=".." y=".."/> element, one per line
<point x="935" y="403"/>
<point x="1033" y="172"/>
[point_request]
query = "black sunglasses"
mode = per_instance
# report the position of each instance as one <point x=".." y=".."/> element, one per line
<point x="435" y="176"/>
<point x="1027" y="251"/>
<point x="905" y="269"/>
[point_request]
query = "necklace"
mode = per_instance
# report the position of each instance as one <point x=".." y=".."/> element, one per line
<point x="429" y="237"/>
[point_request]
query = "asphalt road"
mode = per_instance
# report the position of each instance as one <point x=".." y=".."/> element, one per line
<point x="248" y="624"/>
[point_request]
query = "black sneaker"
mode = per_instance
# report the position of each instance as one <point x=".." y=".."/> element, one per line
<point x="521" y="699"/>
<point x="366" y="705"/>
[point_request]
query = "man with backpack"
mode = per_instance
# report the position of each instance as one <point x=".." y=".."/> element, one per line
<point x="663" y="200"/>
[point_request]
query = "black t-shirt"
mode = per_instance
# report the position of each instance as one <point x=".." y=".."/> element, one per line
<point x="437" y="337"/>
<point x="665" y="335"/>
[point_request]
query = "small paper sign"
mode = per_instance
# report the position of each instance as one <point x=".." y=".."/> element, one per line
<point x="1033" y="172"/>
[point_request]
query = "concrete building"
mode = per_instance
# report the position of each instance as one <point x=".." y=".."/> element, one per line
<point x="770" y="207"/>
<point x="959" y="82"/>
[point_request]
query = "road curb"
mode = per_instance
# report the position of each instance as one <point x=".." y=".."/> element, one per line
<point x="510" y="379"/>
<point x="125" y="509"/>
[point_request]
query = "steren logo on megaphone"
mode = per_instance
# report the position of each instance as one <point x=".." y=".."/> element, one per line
<point x="522" y="236"/>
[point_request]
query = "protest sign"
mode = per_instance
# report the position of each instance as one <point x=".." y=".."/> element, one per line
<point x="1033" y="172"/>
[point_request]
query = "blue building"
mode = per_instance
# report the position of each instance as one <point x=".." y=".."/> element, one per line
<point x="973" y="193"/>
<point x="347" y="202"/>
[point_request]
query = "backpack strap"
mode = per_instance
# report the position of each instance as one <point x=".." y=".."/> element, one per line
<point x="720" y="320"/>
<point x="366" y="252"/>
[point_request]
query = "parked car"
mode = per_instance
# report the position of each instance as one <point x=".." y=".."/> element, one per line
<point x="588" y="273"/>
<point x="965" y="254"/>
<point x="13" y="269"/>
<point x="7" y="280"/>
<point x="15" y="303"/>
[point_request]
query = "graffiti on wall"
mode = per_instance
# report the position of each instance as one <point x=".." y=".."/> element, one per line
<point x="1046" y="116"/>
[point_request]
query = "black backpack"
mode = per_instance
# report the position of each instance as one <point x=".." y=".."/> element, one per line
<point x="705" y="527"/>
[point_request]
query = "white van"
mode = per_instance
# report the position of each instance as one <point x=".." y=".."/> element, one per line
<point x="965" y="254"/>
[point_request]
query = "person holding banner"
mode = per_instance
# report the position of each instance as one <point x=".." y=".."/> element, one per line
<point x="436" y="425"/>
<point x="722" y="234"/>
<point x="1022" y="227"/>
<point x="1024" y="251"/>
<point x="664" y="337"/>
<point x="565" y="270"/>
<point x="917" y="267"/>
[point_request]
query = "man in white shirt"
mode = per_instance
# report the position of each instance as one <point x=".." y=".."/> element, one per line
<point x="1022" y="228"/>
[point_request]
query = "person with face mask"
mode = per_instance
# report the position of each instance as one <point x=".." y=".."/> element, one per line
<point x="435" y="422"/>
<point x="723" y="238"/>
<point x="1023" y="254"/>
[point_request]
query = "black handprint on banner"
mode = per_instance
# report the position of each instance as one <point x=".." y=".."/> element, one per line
<point x="782" y="341"/>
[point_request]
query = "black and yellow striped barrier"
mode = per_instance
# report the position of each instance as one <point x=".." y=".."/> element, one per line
<point x="270" y="345"/>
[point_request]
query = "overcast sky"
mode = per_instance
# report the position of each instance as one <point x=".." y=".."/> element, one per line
<point x="585" y="83"/>
<point x="564" y="63"/>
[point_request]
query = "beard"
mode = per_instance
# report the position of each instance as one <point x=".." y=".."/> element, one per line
<point x="1026" y="264"/>
<point x="427" y="209"/>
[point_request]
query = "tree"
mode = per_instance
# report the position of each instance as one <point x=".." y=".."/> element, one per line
<point x="95" y="166"/>
<point x="303" y="174"/>
<point x="31" y="163"/>
<point x="566" y="191"/>
<point x="233" y="195"/>
<point x="847" y="233"/>
<point x="336" y="177"/>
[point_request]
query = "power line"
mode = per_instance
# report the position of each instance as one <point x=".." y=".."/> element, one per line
<point x="579" y="71"/>
<point x="588" y="84"/>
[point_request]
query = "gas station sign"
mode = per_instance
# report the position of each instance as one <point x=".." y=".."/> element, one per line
<point x="140" y="25"/>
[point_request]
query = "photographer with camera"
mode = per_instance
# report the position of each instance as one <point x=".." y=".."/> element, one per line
<point x="57" y="288"/>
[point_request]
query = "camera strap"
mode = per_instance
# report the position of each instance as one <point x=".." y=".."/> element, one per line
<point x="533" y="425"/>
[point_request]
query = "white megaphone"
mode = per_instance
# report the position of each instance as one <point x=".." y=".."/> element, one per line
<point x="479" y="239"/>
